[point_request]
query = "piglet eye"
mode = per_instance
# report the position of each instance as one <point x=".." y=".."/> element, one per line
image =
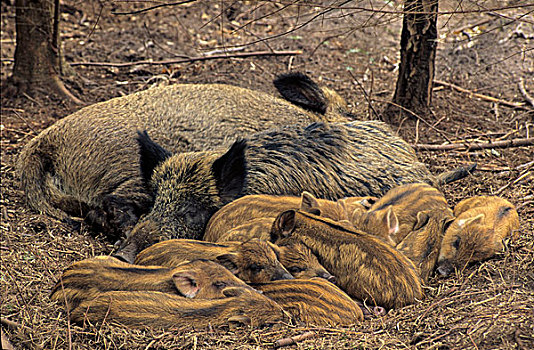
<point x="295" y="269"/>
<point x="456" y="243"/>
<point x="219" y="284"/>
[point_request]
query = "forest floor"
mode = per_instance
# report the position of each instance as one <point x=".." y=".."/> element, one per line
<point x="488" y="305"/>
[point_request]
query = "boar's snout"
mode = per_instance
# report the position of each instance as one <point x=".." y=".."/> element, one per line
<point x="444" y="268"/>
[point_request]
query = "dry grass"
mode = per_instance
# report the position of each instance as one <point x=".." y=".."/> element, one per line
<point x="488" y="305"/>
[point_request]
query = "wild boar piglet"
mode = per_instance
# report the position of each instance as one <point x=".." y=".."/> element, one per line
<point x="477" y="233"/>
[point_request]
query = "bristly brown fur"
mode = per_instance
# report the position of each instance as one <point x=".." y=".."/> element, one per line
<point x="168" y="311"/>
<point x="253" y="261"/>
<point x="89" y="278"/>
<point x="365" y="267"/>
<point x="330" y="161"/>
<point x="481" y="225"/>
<point x="92" y="157"/>
<point x="313" y="301"/>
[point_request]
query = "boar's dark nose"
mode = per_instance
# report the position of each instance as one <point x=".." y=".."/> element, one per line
<point x="444" y="268"/>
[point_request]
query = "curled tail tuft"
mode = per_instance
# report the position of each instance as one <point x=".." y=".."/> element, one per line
<point x="34" y="166"/>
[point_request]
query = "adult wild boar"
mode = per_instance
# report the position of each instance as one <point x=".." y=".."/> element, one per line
<point x="329" y="160"/>
<point x="88" y="164"/>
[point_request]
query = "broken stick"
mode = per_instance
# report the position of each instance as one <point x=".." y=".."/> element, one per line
<point x="293" y="340"/>
<point x="467" y="146"/>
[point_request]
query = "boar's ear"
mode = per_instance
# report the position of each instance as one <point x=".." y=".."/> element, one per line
<point x="309" y="203"/>
<point x="422" y="220"/>
<point x="283" y="225"/>
<point x="229" y="171"/>
<point x="229" y="261"/>
<point x="186" y="283"/>
<point x="151" y="154"/>
<point x="301" y="90"/>
<point x="474" y="219"/>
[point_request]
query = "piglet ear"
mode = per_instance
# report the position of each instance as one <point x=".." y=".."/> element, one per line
<point x="186" y="283"/>
<point x="308" y="201"/>
<point x="230" y="170"/>
<point x="422" y="220"/>
<point x="229" y="261"/>
<point x="283" y="225"/>
<point x="151" y="154"/>
<point x="392" y="222"/>
<point x="472" y="220"/>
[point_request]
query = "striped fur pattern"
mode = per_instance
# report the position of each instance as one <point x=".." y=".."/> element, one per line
<point x="140" y="309"/>
<point x="89" y="278"/>
<point x="297" y="259"/>
<point x="422" y="245"/>
<point x="264" y="207"/>
<point x="253" y="261"/>
<point x="313" y="302"/>
<point x="394" y="215"/>
<point x="481" y="225"/>
<point x="365" y="267"/>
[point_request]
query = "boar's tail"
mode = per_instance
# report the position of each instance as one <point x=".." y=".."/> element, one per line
<point x="35" y="168"/>
<point x="456" y="174"/>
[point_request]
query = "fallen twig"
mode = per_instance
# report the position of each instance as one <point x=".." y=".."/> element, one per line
<point x="190" y="59"/>
<point x="476" y="146"/>
<point x="523" y="175"/>
<point x="6" y="344"/>
<point x="524" y="92"/>
<point x="293" y="340"/>
<point x="13" y="324"/>
<point x="481" y="96"/>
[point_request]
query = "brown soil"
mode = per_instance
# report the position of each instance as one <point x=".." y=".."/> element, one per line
<point x="488" y="305"/>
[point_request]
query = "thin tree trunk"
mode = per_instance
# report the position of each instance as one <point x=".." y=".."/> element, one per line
<point x="418" y="52"/>
<point x="37" y="56"/>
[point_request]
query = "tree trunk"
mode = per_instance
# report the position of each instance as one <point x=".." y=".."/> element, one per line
<point x="418" y="52"/>
<point x="37" y="53"/>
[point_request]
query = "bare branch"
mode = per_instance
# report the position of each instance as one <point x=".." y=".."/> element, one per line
<point x="191" y="59"/>
<point x="481" y="96"/>
<point x="466" y="146"/>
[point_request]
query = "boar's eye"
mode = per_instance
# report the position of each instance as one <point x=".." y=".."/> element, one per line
<point x="295" y="269"/>
<point x="456" y="243"/>
<point x="255" y="268"/>
<point x="219" y="284"/>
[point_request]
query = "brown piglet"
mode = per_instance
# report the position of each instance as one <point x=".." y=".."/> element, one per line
<point x="482" y="224"/>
